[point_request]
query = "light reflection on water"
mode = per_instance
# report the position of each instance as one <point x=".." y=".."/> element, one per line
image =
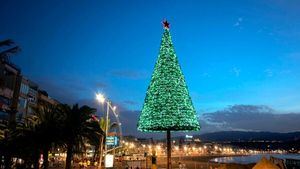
<point x="253" y="158"/>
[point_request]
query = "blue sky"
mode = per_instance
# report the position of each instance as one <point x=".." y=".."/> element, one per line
<point x="231" y="52"/>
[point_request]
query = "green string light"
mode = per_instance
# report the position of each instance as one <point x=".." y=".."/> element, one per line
<point x="168" y="105"/>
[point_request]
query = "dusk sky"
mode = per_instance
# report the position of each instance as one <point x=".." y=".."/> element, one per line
<point x="243" y="52"/>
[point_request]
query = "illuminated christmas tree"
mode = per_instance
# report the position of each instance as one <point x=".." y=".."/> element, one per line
<point x="168" y="105"/>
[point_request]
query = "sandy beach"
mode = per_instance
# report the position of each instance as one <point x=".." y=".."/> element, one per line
<point x="196" y="162"/>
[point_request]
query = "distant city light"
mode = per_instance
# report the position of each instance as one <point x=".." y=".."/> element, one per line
<point x="176" y="148"/>
<point x="188" y="136"/>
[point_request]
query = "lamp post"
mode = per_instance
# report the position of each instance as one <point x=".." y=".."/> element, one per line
<point x="102" y="100"/>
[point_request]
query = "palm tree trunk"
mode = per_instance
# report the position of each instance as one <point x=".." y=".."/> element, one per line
<point x="45" y="157"/>
<point x="36" y="164"/>
<point x="69" y="156"/>
<point x="101" y="152"/>
<point x="7" y="161"/>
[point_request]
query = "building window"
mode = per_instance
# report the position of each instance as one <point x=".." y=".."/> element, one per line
<point x="22" y="103"/>
<point x="24" y="88"/>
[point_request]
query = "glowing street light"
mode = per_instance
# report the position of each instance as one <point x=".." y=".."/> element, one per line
<point x="176" y="148"/>
<point x="131" y="145"/>
<point x="100" y="97"/>
<point x="102" y="100"/>
<point x="158" y="147"/>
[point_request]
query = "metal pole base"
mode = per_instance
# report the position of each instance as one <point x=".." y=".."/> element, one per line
<point x="169" y="163"/>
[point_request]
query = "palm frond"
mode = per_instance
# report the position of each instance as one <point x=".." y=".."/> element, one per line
<point x="9" y="51"/>
<point x="7" y="42"/>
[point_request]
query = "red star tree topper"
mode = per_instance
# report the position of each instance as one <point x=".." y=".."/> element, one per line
<point x="166" y="24"/>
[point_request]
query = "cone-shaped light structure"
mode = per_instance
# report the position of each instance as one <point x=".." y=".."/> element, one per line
<point x="168" y="105"/>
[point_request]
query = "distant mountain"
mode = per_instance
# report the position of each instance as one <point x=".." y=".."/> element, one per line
<point x="242" y="136"/>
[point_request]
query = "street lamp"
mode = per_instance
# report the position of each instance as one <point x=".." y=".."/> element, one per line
<point x="101" y="99"/>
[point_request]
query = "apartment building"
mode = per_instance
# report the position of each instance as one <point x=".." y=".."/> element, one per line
<point x="44" y="99"/>
<point x="19" y="96"/>
<point x="10" y="79"/>
<point x="28" y="98"/>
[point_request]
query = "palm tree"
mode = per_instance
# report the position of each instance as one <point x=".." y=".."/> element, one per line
<point x="79" y="127"/>
<point x="7" y="52"/>
<point x="24" y="141"/>
<point x="100" y="145"/>
<point x="19" y="142"/>
<point x="35" y="134"/>
<point x="48" y="122"/>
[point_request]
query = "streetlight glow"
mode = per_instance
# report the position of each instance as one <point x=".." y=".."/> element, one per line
<point x="102" y="100"/>
<point x="100" y="97"/>
<point x="176" y="148"/>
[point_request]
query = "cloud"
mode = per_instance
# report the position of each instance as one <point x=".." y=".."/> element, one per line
<point x="68" y="89"/>
<point x="233" y="118"/>
<point x="130" y="102"/>
<point x="205" y="74"/>
<point x="285" y="72"/>
<point x="128" y="74"/>
<point x="236" y="71"/>
<point x="129" y="121"/>
<point x="101" y="85"/>
<point x="238" y="117"/>
<point x="64" y="92"/>
<point x="251" y="118"/>
<point x="238" y="22"/>
<point x="294" y="56"/>
<point x="269" y="72"/>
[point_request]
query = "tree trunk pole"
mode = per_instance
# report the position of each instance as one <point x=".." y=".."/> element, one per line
<point x="69" y="157"/>
<point x="169" y="164"/>
<point x="46" y="157"/>
<point x="36" y="164"/>
<point x="101" y="152"/>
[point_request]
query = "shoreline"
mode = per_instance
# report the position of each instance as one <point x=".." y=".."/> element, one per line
<point x="202" y="162"/>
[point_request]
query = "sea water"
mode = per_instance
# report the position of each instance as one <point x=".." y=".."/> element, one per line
<point x="253" y="158"/>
